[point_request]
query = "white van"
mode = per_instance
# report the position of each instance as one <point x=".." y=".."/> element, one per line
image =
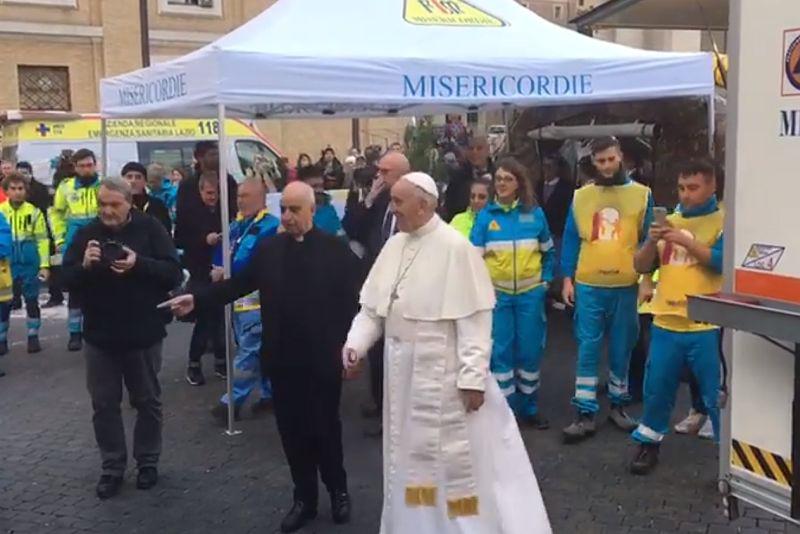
<point x="40" y="137"/>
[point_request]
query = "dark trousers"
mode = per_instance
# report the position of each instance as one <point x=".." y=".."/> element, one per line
<point x="307" y="413"/>
<point x="208" y="327"/>
<point x="375" y="356"/>
<point x="55" y="289"/>
<point x="105" y="372"/>
<point x="639" y="358"/>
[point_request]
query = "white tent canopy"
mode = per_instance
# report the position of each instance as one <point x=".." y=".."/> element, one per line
<point x="303" y="58"/>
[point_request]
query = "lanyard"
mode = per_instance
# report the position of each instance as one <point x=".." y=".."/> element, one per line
<point x="238" y="242"/>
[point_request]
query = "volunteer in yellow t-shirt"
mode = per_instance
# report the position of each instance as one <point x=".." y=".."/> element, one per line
<point x="688" y="250"/>
<point x="606" y="223"/>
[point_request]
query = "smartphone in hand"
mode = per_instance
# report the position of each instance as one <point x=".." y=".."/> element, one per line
<point x="660" y="215"/>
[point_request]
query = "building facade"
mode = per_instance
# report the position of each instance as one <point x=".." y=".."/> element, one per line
<point x="55" y="52"/>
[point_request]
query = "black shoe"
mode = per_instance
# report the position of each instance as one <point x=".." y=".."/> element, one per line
<point x="16" y="304"/>
<point x="194" y="375"/>
<point x="340" y="507"/>
<point x="221" y="371"/>
<point x="300" y="514"/>
<point x="75" y="342"/>
<point x="220" y="413"/>
<point x="108" y="486"/>
<point x="262" y="406"/>
<point x="538" y="421"/>
<point x="53" y="304"/>
<point x="645" y="460"/>
<point x="2" y="373"/>
<point x="3" y="348"/>
<point x="147" y="478"/>
<point x="33" y="345"/>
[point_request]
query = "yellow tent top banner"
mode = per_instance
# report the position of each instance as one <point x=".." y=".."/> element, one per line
<point x="119" y="129"/>
<point x="448" y="13"/>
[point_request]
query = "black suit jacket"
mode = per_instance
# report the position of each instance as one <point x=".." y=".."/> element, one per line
<point x="557" y="206"/>
<point x="456" y="196"/>
<point x="334" y="283"/>
<point x="365" y="225"/>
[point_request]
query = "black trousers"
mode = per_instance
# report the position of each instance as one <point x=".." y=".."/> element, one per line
<point x="307" y="413"/>
<point x="55" y="289"/>
<point x="639" y="358"/>
<point x="375" y="356"/>
<point x="105" y="373"/>
<point x="208" y="327"/>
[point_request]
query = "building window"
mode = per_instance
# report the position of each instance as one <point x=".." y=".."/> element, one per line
<point x="191" y="7"/>
<point x="557" y="12"/>
<point x="44" y="88"/>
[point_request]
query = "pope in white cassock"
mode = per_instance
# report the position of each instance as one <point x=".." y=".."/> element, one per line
<point x="454" y="461"/>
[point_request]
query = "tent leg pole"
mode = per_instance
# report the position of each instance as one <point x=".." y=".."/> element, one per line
<point x="104" y="146"/>
<point x="224" y="195"/>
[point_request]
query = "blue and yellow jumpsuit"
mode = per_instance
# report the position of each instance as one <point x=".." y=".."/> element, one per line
<point x="6" y="280"/>
<point x="246" y="235"/>
<point x="326" y="218"/>
<point x="29" y="254"/>
<point x="518" y="250"/>
<point x="74" y="206"/>
<point x="605" y="225"/>
<point x="676" y="340"/>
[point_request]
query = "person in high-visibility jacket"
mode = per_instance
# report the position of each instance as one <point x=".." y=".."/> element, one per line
<point x="514" y="239"/>
<point x="479" y="193"/>
<point x="30" y="256"/>
<point x="75" y="206"/>
<point x="688" y="250"/>
<point x="6" y="281"/>
<point x="252" y="226"/>
<point x="606" y="223"/>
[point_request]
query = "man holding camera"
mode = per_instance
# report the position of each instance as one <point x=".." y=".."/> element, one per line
<point x="122" y="265"/>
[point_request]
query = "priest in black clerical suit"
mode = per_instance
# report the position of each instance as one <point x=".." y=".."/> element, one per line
<point x="308" y="283"/>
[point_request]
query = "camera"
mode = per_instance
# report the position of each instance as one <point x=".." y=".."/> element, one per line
<point x="111" y="251"/>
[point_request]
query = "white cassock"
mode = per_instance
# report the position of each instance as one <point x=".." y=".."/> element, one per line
<point x="445" y="471"/>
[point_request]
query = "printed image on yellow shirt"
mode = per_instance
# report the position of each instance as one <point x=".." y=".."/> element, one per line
<point x="606" y="225"/>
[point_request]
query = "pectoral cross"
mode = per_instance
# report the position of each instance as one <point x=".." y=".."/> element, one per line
<point x="402" y="271"/>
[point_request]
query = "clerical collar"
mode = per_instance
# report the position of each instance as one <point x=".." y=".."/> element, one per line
<point x="427" y="228"/>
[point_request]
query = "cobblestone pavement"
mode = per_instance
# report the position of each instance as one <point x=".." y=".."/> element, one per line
<point x="218" y="484"/>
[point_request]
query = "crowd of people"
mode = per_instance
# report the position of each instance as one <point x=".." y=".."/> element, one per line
<point x="455" y="283"/>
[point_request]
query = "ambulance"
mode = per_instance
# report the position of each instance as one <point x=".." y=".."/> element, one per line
<point x="40" y="137"/>
<point x="759" y="456"/>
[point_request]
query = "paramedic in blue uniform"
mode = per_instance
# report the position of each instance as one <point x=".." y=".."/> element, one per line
<point x="252" y="225"/>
